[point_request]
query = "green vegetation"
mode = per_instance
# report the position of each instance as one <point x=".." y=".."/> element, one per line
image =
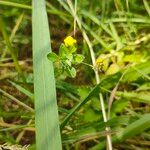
<point x="76" y="73"/>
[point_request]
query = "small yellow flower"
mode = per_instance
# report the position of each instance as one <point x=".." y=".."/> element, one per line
<point x="102" y="63"/>
<point x="69" y="41"/>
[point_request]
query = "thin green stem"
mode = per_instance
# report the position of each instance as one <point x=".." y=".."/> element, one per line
<point x="7" y="3"/>
<point x="9" y="47"/>
<point x="17" y="101"/>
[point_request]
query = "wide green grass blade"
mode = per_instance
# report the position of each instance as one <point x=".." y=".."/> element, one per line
<point x="46" y="111"/>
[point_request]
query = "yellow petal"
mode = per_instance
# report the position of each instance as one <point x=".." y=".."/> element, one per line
<point x="69" y="41"/>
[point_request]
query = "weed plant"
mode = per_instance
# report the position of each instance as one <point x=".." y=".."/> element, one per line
<point x="74" y="75"/>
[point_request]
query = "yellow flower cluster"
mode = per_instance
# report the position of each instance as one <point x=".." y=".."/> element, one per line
<point x="69" y="41"/>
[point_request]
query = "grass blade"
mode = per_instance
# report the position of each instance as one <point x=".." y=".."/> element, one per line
<point x="136" y="127"/>
<point x="10" y="49"/>
<point x="16" y="100"/>
<point x="7" y="3"/>
<point x="94" y="91"/>
<point x="116" y="36"/>
<point x="46" y="111"/>
<point x="23" y="90"/>
<point x="147" y="7"/>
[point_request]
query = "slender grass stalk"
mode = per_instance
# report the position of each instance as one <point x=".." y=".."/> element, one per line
<point x="7" y="3"/>
<point x="52" y="10"/>
<point x="21" y="134"/>
<point x="10" y="49"/>
<point x="96" y="21"/>
<point x="95" y="36"/>
<point x="116" y="36"/>
<point x="147" y="7"/>
<point x="46" y="111"/>
<point x="16" y="100"/>
<point x="75" y="9"/>
<point x="13" y="33"/>
<point x="123" y="19"/>
<point x="23" y="90"/>
<point x="16" y="27"/>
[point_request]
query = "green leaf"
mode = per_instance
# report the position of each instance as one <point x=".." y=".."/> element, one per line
<point x="46" y="111"/>
<point x="78" y="58"/>
<point x="112" y="69"/>
<point x="132" y="58"/>
<point x="63" y="50"/>
<point x="67" y="63"/>
<point x="71" y="71"/>
<point x="90" y="115"/>
<point x="72" y="49"/>
<point x="52" y="57"/>
<point x="69" y="56"/>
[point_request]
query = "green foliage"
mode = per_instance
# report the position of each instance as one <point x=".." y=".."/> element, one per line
<point x="111" y="39"/>
<point x="66" y="59"/>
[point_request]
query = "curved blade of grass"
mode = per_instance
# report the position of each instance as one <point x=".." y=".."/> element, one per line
<point x="136" y="127"/>
<point x="97" y="21"/>
<point x="116" y="36"/>
<point x="23" y="90"/>
<point x="13" y="32"/>
<point x="10" y="49"/>
<point x="8" y="3"/>
<point x="100" y="40"/>
<point x="46" y="111"/>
